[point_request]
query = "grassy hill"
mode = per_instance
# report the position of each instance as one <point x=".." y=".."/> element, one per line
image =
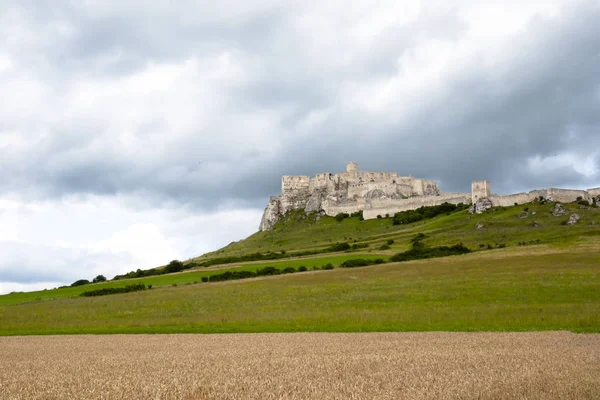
<point x="528" y="271"/>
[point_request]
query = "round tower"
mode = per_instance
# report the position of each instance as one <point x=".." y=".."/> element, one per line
<point x="352" y="167"/>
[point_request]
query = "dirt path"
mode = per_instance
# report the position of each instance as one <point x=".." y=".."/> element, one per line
<point x="546" y="365"/>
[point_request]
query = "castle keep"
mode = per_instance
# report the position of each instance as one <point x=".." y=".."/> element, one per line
<point x="386" y="193"/>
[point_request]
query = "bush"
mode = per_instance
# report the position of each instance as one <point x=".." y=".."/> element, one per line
<point x="327" y="266"/>
<point x="360" y="262"/>
<point x="418" y="237"/>
<point x="205" y="279"/>
<point x="339" y="247"/>
<point x="390" y="242"/>
<point x="174" y="266"/>
<point x="80" y="282"/>
<point x="357" y="246"/>
<point x="302" y="268"/>
<point x="384" y="247"/>
<point x="433" y="252"/>
<point x="358" y="214"/>
<point x="105" y="291"/>
<point x="289" y="270"/>
<point x="341" y="216"/>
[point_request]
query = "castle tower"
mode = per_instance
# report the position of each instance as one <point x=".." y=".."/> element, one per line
<point x="480" y="190"/>
<point x="352" y="168"/>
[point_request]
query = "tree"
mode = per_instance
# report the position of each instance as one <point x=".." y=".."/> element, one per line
<point x="99" y="278"/>
<point x="174" y="266"/>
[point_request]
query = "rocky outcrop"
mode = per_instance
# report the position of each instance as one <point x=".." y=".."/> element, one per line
<point x="314" y="202"/>
<point x="573" y="219"/>
<point x="480" y="206"/>
<point x="271" y="215"/>
<point x="558" y="210"/>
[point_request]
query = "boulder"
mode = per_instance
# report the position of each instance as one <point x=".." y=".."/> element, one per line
<point x="573" y="219"/>
<point x="558" y="210"/>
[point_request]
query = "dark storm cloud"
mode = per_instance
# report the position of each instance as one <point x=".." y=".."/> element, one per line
<point x="484" y="122"/>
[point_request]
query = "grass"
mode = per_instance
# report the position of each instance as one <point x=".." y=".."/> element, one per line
<point x="501" y="225"/>
<point x="187" y="277"/>
<point x="528" y="288"/>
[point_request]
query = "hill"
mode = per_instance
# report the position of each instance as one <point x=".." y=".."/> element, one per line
<point x="527" y="271"/>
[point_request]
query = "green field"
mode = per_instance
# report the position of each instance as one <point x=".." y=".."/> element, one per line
<point x="187" y="277"/>
<point x="527" y="272"/>
<point x="518" y="289"/>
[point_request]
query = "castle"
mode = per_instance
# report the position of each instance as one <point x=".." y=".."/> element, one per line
<point x="386" y="193"/>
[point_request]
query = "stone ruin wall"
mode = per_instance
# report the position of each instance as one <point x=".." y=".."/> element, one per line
<point x="553" y="194"/>
<point x="392" y="206"/>
<point x="351" y="191"/>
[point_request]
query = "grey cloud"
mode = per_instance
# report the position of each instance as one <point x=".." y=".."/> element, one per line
<point x="485" y="122"/>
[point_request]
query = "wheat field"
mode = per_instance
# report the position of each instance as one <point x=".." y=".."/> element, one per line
<point x="435" y="365"/>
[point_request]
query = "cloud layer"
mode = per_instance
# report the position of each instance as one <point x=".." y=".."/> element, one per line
<point x="198" y="109"/>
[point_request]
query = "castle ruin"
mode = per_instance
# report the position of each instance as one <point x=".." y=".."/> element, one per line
<point x="386" y="193"/>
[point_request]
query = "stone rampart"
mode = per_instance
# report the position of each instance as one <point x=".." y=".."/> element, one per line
<point x="391" y="206"/>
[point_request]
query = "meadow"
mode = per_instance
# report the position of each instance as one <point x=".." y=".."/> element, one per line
<point x="184" y="278"/>
<point x="529" y="288"/>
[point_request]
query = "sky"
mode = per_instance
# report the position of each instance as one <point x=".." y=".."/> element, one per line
<point x="133" y="133"/>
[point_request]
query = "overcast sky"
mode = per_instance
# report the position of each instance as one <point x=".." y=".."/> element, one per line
<point x="108" y="107"/>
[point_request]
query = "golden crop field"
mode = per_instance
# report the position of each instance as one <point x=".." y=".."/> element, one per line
<point x="435" y="365"/>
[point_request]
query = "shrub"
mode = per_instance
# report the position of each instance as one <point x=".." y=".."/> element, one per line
<point x="379" y="217"/>
<point x="105" y="291"/>
<point x="489" y="246"/>
<point x="341" y="216"/>
<point x="390" y="242"/>
<point x="80" y="282"/>
<point x="418" y="237"/>
<point x="339" y="247"/>
<point x="481" y="245"/>
<point x="327" y="266"/>
<point x="360" y="262"/>
<point x="422" y="253"/>
<point x="385" y="247"/>
<point x="302" y="268"/>
<point x="205" y="279"/>
<point x="359" y="246"/>
<point x="174" y="266"/>
<point x="99" y="278"/>
<point x="288" y="270"/>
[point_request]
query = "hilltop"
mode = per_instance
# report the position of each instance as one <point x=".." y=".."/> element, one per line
<point x="527" y="270"/>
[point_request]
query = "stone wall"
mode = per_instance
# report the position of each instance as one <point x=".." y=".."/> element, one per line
<point x="391" y="206"/>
